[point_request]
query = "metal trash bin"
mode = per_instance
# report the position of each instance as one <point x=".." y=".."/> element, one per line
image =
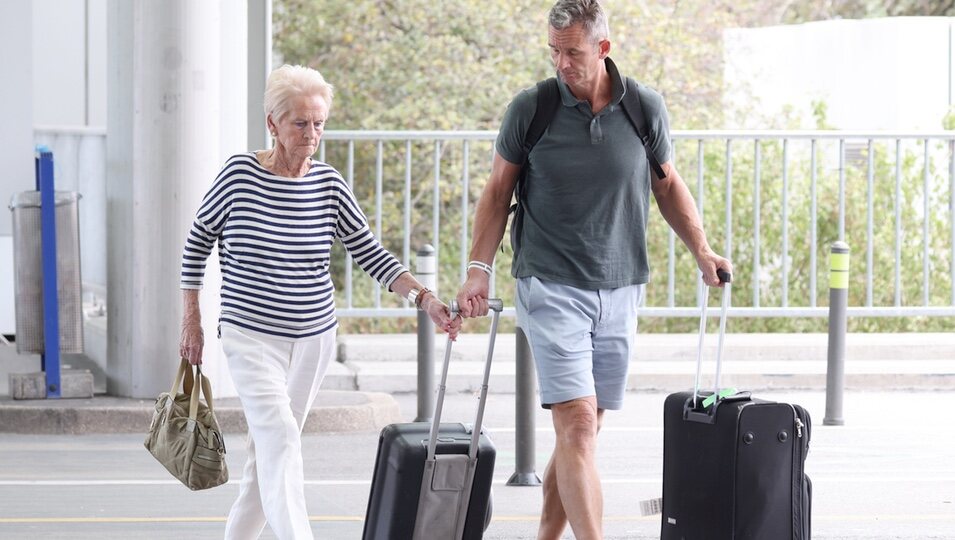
<point x="28" y="271"/>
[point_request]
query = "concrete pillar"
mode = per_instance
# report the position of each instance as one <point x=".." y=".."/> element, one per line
<point x="162" y="154"/>
<point x="259" y="65"/>
<point x="16" y="109"/>
<point x="59" y="70"/>
<point x="16" y="154"/>
<point x="233" y="125"/>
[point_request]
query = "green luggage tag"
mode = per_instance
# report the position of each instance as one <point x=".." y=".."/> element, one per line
<point x="724" y="393"/>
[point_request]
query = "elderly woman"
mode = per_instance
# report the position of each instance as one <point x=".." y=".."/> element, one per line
<point x="275" y="214"/>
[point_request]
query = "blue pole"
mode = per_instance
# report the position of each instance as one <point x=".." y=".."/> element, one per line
<point x="50" y="359"/>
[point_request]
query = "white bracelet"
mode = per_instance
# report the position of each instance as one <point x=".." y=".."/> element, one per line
<point x="480" y="266"/>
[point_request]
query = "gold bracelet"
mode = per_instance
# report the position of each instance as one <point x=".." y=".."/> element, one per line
<point x="420" y="297"/>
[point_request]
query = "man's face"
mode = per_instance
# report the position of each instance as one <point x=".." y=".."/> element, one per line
<point x="576" y="55"/>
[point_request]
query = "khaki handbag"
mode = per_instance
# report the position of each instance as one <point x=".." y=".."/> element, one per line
<point x="184" y="434"/>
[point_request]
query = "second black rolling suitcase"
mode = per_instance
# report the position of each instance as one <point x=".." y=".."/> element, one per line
<point x="432" y="481"/>
<point x="733" y="465"/>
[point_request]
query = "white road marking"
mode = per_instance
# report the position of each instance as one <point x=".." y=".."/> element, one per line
<point x="861" y="477"/>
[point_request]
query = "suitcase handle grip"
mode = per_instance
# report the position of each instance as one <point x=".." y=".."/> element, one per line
<point x="494" y="304"/>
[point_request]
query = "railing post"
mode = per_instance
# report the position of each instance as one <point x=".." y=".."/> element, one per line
<point x="838" y="302"/>
<point x="524" y="474"/>
<point x="425" y="271"/>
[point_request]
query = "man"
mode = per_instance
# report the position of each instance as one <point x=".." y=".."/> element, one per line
<point x="580" y="252"/>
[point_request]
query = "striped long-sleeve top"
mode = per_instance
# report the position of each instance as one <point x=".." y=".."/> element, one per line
<point x="275" y="238"/>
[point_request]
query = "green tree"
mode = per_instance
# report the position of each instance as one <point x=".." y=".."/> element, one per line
<point x="416" y="65"/>
<point x="816" y="10"/>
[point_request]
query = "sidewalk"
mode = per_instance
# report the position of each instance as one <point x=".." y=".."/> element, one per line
<point x="667" y="362"/>
<point x="356" y="392"/>
<point x="334" y="411"/>
<point x="887" y="473"/>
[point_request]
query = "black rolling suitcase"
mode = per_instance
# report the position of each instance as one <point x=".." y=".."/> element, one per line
<point x="733" y="465"/>
<point x="434" y="484"/>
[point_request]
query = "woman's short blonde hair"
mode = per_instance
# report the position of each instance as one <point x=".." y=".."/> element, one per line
<point x="288" y="82"/>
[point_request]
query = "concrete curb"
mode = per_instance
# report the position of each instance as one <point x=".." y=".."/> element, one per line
<point x="400" y="377"/>
<point x="667" y="362"/>
<point x="678" y="347"/>
<point x="333" y="411"/>
<point x="355" y="395"/>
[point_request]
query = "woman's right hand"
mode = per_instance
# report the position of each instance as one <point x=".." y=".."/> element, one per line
<point x="441" y="315"/>
<point x="191" y="342"/>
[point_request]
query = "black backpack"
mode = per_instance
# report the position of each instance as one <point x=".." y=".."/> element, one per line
<point x="548" y="100"/>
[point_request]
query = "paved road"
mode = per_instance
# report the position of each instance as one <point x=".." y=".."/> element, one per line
<point x="889" y="473"/>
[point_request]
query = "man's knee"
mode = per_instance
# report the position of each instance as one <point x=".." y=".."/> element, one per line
<point x="577" y="422"/>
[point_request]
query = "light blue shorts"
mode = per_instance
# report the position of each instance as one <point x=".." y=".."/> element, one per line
<point x="581" y="339"/>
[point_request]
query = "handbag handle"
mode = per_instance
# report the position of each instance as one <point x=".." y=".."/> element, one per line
<point x="184" y="369"/>
<point x="206" y="389"/>
<point x="186" y="380"/>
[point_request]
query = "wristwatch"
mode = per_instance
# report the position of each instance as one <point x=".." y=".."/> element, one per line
<point x="415" y="296"/>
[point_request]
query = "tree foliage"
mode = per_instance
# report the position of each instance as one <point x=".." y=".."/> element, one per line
<point x="416" y="64"/>
<point x="455" y="65"/>
<point x="793" y="11"/>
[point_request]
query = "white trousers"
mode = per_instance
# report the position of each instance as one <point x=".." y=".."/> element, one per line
<point x="277" y="382"/>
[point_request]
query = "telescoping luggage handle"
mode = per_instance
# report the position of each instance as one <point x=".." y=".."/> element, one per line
<point x="495" y="305"/>
<point x="726" y="278"/>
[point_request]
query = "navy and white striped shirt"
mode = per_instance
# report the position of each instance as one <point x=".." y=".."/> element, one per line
<point x="275" y="239"/>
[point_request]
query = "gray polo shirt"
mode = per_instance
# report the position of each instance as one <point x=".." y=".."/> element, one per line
<point x="588" y="188"/>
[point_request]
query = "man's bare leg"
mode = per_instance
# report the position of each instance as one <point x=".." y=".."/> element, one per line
<point x="553" y="518"/>
<point x="572" y="489"/>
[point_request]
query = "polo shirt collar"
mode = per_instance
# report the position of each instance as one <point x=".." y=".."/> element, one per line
<point x="617" y="87"/>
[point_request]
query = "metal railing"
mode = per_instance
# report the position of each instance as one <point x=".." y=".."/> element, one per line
<point x="890" y="196"/>
<point x="813" y="178"/>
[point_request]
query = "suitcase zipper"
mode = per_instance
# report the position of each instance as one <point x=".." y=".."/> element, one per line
<point x="797" y="477"/>
<point x="799" y="447"/>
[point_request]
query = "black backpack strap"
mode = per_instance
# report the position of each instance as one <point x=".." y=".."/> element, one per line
<point x="638" y="117"/>
<point x="548" y="100"/>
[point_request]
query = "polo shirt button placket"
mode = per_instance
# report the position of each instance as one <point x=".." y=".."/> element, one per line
<point x="596" y="133"/>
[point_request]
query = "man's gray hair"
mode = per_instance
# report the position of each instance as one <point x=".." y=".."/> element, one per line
<point x="590" y="13"/>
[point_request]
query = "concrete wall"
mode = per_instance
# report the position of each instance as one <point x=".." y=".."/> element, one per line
<point x="69" y="76"/>
<point x="16" y="136"/>
<point x="59" y="75"/>
<point x="16" y="106"/>
<point x="874" y="74"/>
<point x="176" y="73"/>
<point x="7" y="320"/>
<point x="54" y="58"/>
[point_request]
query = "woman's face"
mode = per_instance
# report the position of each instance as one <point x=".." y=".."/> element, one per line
<point x="299" y="131"/>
